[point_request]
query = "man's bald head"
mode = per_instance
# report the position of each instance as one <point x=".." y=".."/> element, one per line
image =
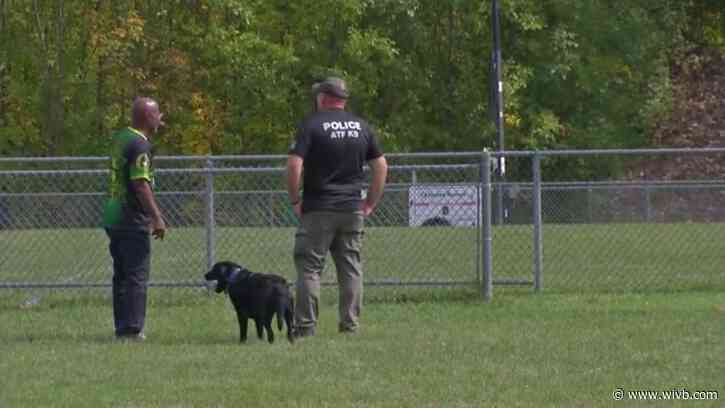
<point x="145" y="114"/>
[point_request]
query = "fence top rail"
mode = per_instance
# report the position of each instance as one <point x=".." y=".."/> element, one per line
<point x="246" y="157"/>
<point x="464" y="154"/>
<point x="608" y="152"/>
<point x="156" y="158"/>
<point x="219" y="170"/>
<point x="25" y="159"/>
<point x="615" y="183"/>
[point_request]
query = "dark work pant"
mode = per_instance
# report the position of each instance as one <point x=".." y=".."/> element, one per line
<point x="131" y="253"/>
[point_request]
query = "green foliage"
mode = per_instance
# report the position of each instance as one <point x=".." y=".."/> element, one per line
<point x="706" y="25"/>
<point x="233" y="76"/>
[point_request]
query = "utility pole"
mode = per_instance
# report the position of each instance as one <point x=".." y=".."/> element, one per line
<point x="498" y="102"/>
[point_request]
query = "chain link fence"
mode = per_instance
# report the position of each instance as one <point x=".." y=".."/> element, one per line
<point x="657" y="225"/>
<point x="446" y="219"/>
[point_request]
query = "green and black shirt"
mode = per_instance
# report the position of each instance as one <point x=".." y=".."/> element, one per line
<point x="130" y="160"/>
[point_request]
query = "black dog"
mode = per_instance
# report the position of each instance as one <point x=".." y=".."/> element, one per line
<point x="256" y="296"/>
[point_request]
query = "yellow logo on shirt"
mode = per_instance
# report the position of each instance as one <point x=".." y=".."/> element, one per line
<point x="143" y="161"/>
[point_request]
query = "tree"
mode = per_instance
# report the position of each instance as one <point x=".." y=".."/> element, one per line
<point x="234" y="76"/>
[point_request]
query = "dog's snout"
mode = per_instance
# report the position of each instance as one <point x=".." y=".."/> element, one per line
<point x="211" y="281"/>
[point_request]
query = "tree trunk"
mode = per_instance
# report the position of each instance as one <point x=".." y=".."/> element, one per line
<point x="4" y="65"/>
<point x="450" y="80"/>
<point x="52" y="37"/>
<point x="100" y="83"/>
<point x="57" y="104"/>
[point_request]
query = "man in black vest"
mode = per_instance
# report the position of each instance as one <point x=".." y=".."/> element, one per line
<point x="332" y="146"/>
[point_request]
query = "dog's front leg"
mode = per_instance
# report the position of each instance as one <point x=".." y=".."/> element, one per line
<point x="242" y="318"/>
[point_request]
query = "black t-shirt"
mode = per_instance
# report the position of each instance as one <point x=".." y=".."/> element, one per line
<point x="334" y="146"/>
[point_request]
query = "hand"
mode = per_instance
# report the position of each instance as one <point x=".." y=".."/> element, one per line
<point x="158" y="228"/>
<point x="367" y="208"/>
<point x="298" y="209"/>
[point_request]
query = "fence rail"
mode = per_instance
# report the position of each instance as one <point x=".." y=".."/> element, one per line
<point x="445" y="220"/>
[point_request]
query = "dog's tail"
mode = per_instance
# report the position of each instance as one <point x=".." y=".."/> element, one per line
<point x="281" y="306"/>
<point x="286" y="310"/>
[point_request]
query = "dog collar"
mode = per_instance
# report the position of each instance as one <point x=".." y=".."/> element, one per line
<point x="233" y="276"/>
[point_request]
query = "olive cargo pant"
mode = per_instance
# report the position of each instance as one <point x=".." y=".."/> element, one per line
<point x="341" y="233"/>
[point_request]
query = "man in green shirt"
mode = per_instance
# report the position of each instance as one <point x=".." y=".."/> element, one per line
<point x="130" y="214"/>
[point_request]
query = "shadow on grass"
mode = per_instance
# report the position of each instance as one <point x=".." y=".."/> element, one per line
<point x="41" y="300"/>
<point x="110" y="339"/>
<point x="422" y="295"/>
<point x="51" y="299"/>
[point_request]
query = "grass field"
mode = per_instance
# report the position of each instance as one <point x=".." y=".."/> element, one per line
<point x="636" y="306"/>
<point x="428" y="348"/>
<point x="610" y="257"/>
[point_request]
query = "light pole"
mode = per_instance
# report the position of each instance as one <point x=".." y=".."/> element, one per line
<point x="498" y="103"/>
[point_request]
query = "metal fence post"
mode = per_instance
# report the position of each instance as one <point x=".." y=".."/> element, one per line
<point x="486" y="230"/>
<point x="210" y="218"/>
<point x="538" y="247"/>
<point x="647" y="203"/>
<point x="590" y="218"/>
<point x="479" y="221"/>
<point x="270" y="206"/>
